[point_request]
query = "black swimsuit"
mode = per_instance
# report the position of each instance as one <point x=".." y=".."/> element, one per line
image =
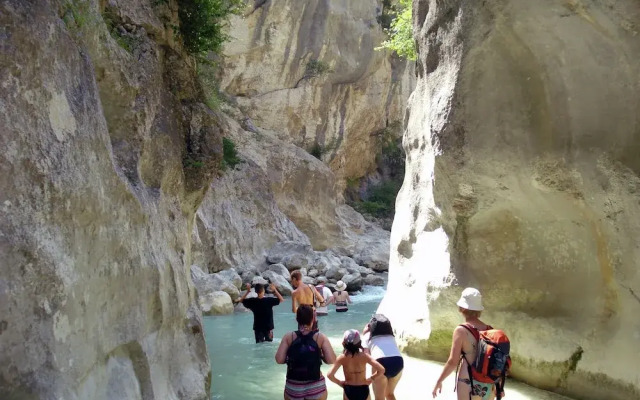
<point x="356" y="392"/>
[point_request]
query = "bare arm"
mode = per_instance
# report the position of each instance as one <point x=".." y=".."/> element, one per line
<point x="319" y="297"/>
<point x="281" y="353"/>
<point x="454" y="358"/>
<point x="274" y="289"/>
<point x="328" y="354"/>
<point x="294" y="302"/>
<point x="378" y="369"/>
<point x="244" y="296"/>
<point x="334" y="368"/>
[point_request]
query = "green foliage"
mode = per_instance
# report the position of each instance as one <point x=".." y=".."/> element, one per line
<point x="229" y="154"/>
<point x="202" y="23"/>
<point x="75" y="14"/>
<point x="389" y="12"/>
<point x="381" y="200"/>
<point x="124" y="39"/>
<point x="316" y="68"/>
<point x="401" y="32"/>
<point x="353" y="182"/>
<point x="317" y="150"/>
<point x="390" y="147"/>
<point x="206" y="72"/>
<point x="191" y="163"/>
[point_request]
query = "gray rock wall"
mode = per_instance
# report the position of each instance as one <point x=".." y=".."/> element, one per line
<point x="268" y="69"/>
<point x="97" y="204"/>
<point x="522" y="180"/>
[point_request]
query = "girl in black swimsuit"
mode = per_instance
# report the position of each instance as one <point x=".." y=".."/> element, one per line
<point x="353" y="362"/>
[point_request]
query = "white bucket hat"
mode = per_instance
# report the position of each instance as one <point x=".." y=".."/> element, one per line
<point x="471" y="299"/>
<point x="340" y="285"/>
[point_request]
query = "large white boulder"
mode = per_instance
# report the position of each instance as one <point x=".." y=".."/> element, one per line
<point x="216" y="303"/>
<point x="281" y="283"/>
<point x="208" y="283"/>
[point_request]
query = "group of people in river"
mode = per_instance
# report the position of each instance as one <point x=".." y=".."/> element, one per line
<point x="479" y="351"/>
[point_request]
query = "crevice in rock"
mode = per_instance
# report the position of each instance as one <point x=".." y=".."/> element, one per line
<point x="633" y="293"/>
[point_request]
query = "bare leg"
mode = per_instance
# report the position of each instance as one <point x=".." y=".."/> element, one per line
<point x="463" y="390"/>
<point x="391" y="386"/>
<point x="379" y="388"/>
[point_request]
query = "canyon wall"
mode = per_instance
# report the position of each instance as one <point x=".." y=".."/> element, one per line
<point x="310" y="71"/>
<point x="107" y="153"/>
<point x="523" y="180"/>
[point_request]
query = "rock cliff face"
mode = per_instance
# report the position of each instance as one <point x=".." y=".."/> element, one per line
<point x="101" y="129"/>
<point x="309" y="71"/>
<point x="522" y="180"/>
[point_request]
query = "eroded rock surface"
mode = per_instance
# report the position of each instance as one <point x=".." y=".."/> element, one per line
<point x="522" y="180"/>
<point x="96" y="204"/>
<point x="308" y="70"/>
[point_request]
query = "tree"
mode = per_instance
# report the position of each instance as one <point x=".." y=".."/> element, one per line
<point x="401" y="32"/>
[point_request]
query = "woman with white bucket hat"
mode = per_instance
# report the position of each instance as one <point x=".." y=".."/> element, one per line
<point x="464" y="348"/>
<point x="341" y="297"/>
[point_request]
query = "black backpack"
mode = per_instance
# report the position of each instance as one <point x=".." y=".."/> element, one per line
<point x="304" y="358"/>
<point x="380" y="325"/>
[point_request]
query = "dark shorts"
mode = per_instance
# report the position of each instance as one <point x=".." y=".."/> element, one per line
<point x="392" y="365"/>
<point x="342" y="309"/>
<point x="263" y="336"/>
<point x="356" y="392"/>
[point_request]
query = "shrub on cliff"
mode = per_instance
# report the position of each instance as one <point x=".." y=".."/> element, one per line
<point x="202" y="23"/>
<point x="401" y="32"/>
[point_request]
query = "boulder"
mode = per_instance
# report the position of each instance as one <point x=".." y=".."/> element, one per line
<point x="280" y="270"/>
<point x="281" y="283"/>
<point x="323" y="260"/>
<point x="294" y="253"/>
<point x="207" y="283"/>
<point x="230" y="275"/>
<point x="354" y="282"/>
<point x="313" y="273"/>
<point x="335" y="273"/>
<point x="376" y="258"/>
<point x="374" y="280"/>
<point x="216" y="303"/>
<point x="261" y="280"/>
<point x="307" y="280"/>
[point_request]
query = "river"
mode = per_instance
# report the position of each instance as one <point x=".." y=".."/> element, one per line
<point x="243" y="369"/>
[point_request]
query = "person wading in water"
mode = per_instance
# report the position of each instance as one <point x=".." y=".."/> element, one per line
<point x="303" y="351"/>
<point x="464" y="347"/>
<point x="354" y="362"/>
<point x="341" y="297"/>
<point x="262" y="308"/>
<point x="304" y="295"/>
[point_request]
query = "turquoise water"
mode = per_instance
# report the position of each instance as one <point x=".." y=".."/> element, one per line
<point x="243" y="369"/>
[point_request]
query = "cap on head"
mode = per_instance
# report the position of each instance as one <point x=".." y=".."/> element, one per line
<point x="471" y="299"/>
<point x="351" y="336"/>
<point x="340" y="285"/>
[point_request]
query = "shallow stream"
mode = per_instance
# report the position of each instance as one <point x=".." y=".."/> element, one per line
<point x="243" y="369"/>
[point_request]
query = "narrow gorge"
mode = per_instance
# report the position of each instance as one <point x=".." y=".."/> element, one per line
<point x="144" y="182"/>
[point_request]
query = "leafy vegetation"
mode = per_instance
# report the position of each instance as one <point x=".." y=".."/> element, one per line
<point x="317" y="150"/>
<point x="75" y="14"/>
<point x="314" y="69"/>
<point x="124" y="39"/>
<point x="400" y="30"/>
<point x="229" y="154"/>
<point x="203" y="22"/>
<point x="381" y="200"/>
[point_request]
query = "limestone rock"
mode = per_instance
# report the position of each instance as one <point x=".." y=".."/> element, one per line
<point x="318" y="79"/>
<point x="216" y="303"/>
<point x="307" y="280"/>
<point x="239" y="220"/>
<point x="280" y="270"/>
<point x="374" y="280"/>
<point x="521" y="181"/>
<point x="96" y="204"/>
<point x="284" y="250"/>
<point x="281" y="283"/>
<point x="334" y="274"/>
<point x="208" y="283"/>
<point x="353" y="281"/>
<point x="230" y="275"/>
<point x="313" y="273"/>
